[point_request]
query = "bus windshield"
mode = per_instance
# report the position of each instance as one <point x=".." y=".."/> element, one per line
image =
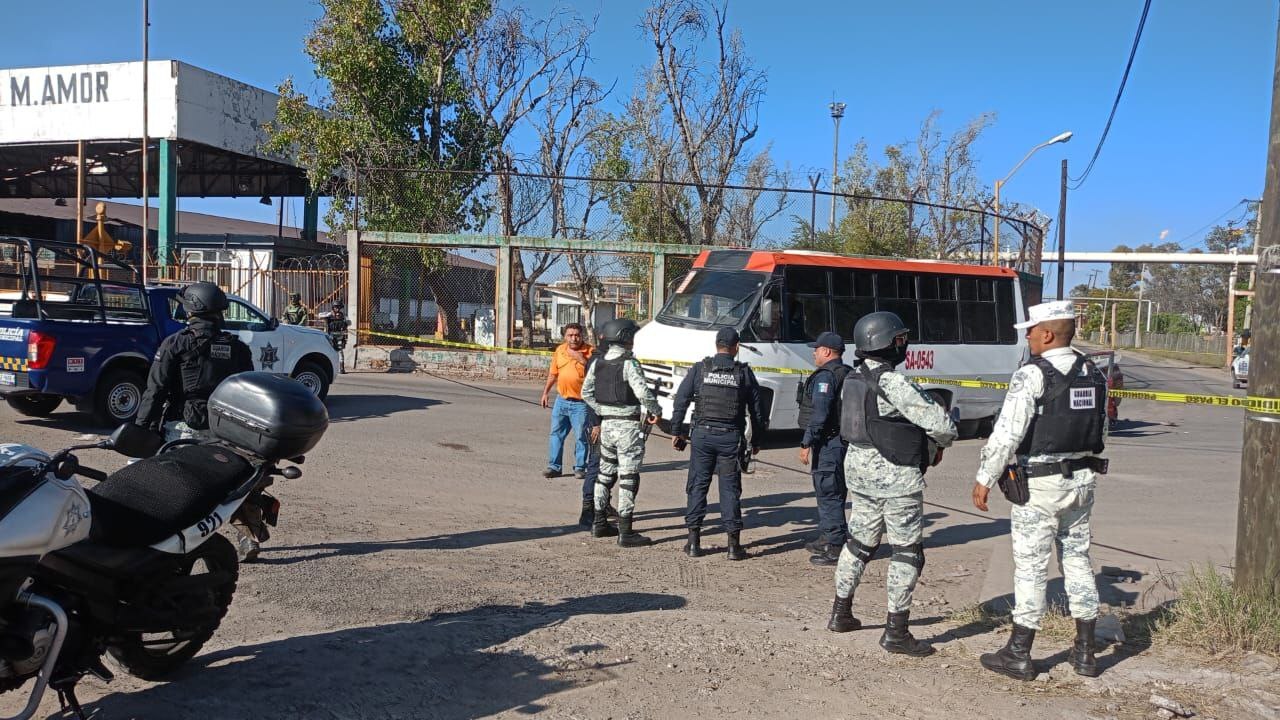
<point x="713" y="298"/>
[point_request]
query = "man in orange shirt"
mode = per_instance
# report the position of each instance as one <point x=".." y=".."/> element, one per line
<point x="568" y="369"/>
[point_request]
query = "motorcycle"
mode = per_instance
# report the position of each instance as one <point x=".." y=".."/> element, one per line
<point x="134" y="567"/>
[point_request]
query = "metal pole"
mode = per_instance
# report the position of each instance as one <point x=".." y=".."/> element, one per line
<point x="813" y="209"/>
<point x="79" y="190"/>
<point x="1137" y="318"/>
<point x="1257" y="562"/>
<point x="1062" y="230"/>
<point x="1230" y="324"/>
<point x="995" y="240"/>
<point x="146" y="55"/>
<point x="1115" y="336"/>
<point x="982" y="238"/>
<point x="280" y="226"/>
<point x="837" y="112"/>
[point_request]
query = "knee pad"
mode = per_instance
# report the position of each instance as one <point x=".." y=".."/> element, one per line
<point x="630" y="481"/>
<point x="606" y="479"/>
<point x="912" y="555"/>
<point x="860" y="551"/>
<point x="608" y="456"/>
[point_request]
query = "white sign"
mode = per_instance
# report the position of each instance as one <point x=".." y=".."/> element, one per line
<point x="1082" y="399"/>
<point x="75" y="364"/>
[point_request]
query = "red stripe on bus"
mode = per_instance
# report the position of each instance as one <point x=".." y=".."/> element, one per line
<point x="769" y="260"/>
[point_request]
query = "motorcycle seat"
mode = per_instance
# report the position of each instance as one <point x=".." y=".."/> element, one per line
<point x="150" y="500"/>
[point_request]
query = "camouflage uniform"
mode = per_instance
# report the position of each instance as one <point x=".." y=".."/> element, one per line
<point x="1059" y="508"/>
<point x="621" y="438"/>
<point x="888" y="499"/>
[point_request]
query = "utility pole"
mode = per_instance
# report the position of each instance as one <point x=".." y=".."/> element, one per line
<point x="146" y="54"/>
<point x="1232" y="279"/>
<point x="1062" y="230"/>
<point x="837" y="112"/>
<point x="1258" y="519"/>
<point x="1137" y="317"/>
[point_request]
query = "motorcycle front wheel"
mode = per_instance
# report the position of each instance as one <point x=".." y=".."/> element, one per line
<point x="151" y="656"/>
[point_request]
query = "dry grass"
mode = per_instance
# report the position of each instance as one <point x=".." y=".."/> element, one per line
<point x="1213" y="615"/>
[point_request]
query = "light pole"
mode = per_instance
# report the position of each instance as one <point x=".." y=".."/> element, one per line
<point x="837" y="112"/>
<point x="995" y="241"/>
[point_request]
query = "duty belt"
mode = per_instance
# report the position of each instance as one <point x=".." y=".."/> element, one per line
<point x="634" y="416"/>
<point x="1066" y="468"/>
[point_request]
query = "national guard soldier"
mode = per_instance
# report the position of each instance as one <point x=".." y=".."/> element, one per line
<point x="296" y="313"/>
<point x="615" y="389"/>
<point x="1051" y="428"/>
<point x="724" y="392"/>
<point x="895" y="432"/>
<point x="336" y="325"/>
<point x="822" y="448"/>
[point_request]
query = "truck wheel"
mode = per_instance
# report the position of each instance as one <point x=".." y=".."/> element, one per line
<point x="118" y="396"/>
<point x="316" y="380"/>
<point x="39" y="405"/>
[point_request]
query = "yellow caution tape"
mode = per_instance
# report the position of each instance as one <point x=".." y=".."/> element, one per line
<point x="1250" y="403"/>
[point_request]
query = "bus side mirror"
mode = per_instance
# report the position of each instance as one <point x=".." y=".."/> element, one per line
<point x="767" y="315"/>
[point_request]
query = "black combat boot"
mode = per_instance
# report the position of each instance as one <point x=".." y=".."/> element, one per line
<point x="735" y="548"/>
<point x="816" y="546"/>
<point x="588" y="515"/>
<point x="898" y="639"/>
<point x="1082" y="652"/>
<point x="1014" y="659"/>
<point x="600" y="526"/>
<point x="626" y="538"/>
<point x="693" y="548"/>
<point x="828" y="557"/>
<point x="842" y="619"/>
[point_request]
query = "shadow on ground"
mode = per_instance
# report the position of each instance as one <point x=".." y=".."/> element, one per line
<point x="443" y="667"/>
<point x="345" y="408"/>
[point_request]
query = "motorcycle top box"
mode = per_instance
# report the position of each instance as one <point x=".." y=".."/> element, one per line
<point x="271" y="416"/>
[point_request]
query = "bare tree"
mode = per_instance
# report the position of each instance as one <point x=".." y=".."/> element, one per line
<point x="712" y="110"/>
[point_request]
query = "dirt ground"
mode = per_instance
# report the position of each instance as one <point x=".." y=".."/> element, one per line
<point x="423" y="568"/>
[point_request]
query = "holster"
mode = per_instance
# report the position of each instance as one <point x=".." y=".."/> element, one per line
<point x="1013" y="483"/>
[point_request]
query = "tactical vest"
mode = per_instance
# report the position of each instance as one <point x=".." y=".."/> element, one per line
<point x="202" y="368"/>
<point x="804" y="398"/>
<point x="720" y="397"/>
<point x="1071" y="413"/>
<point x="612" y="387"/>
<point x="900" y="441"/>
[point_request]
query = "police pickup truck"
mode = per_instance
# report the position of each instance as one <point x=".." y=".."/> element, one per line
<point x="77" y="326"/>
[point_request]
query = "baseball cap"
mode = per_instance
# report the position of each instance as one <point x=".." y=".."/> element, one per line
<point x="727" y="336"/>
<point x="829" y="340"/>
<point x="1044" y="312"/>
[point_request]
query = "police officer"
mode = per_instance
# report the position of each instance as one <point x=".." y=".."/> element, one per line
<point x="725" y="392"/>
<point x="822" y="448"/>
<point x="336" y="325"/>
<point x="895" y="432"/>
<point x="1051" y="426"/>
<point x="296" y="313"/>
<point x="614" y="388"/>
<point x="190" y="364"/>
<point x="188" y="367"/>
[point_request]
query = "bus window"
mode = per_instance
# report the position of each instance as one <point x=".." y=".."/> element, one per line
<point x="854" y="296"/>
<point x="939" y="321"/>
<point x="1005" y="317"/>
<point x="767" y="328"/>
<point x="713" y="297"/>
<point x="808" y="317"/>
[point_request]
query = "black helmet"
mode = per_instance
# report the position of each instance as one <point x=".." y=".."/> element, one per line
<point x="295" y="297"/>
<point x="877" y="330"/>
<point x="203" y="298"/>
<point x="619" y="330"/>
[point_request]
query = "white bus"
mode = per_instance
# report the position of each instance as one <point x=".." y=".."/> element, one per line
<point x="961" y="319"/>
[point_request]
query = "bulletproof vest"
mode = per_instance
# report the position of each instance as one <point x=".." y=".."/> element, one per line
<point x="720" y="397"/>
<point x="294" y="316"/>
<point x="612" y="387"/>
<point x="1071" y="413"/>
<point x="203" y="366"/>
<point x="804" y="398"/>
<point x="900" y="441"/>
<point x="336" y="323"/>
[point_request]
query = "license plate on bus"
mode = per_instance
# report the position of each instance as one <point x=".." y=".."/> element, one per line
<point x="8" y="378"/>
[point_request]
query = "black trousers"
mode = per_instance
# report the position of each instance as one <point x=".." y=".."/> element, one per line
<point x="714" y="449"/>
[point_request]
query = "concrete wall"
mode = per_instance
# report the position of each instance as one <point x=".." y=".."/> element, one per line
<point x="462" y="363"/>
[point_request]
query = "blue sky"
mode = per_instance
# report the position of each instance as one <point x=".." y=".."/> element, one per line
<point x="1188" y="143"/>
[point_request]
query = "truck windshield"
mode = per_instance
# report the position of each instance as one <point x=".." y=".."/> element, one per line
<point x="713" y="298"/>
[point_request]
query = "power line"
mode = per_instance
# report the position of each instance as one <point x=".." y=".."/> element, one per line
<point x="1210" y="224"/>
<point x="1115" y="105"/>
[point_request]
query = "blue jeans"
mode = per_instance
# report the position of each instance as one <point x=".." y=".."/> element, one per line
<point x="566" y="415"/>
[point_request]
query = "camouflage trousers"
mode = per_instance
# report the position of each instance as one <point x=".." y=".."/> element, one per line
<point x="1061" y="517"/>
<point x="621" y="453"/>
<point x="870" y="519"/>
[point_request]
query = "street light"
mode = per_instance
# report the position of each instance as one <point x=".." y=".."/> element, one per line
<point x="995" y="242"/>
<point x="837" y="112"/>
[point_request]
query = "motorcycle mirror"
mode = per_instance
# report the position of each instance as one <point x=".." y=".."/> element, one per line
<point x="291" y="473"/>
<point x="135" y="441"/>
